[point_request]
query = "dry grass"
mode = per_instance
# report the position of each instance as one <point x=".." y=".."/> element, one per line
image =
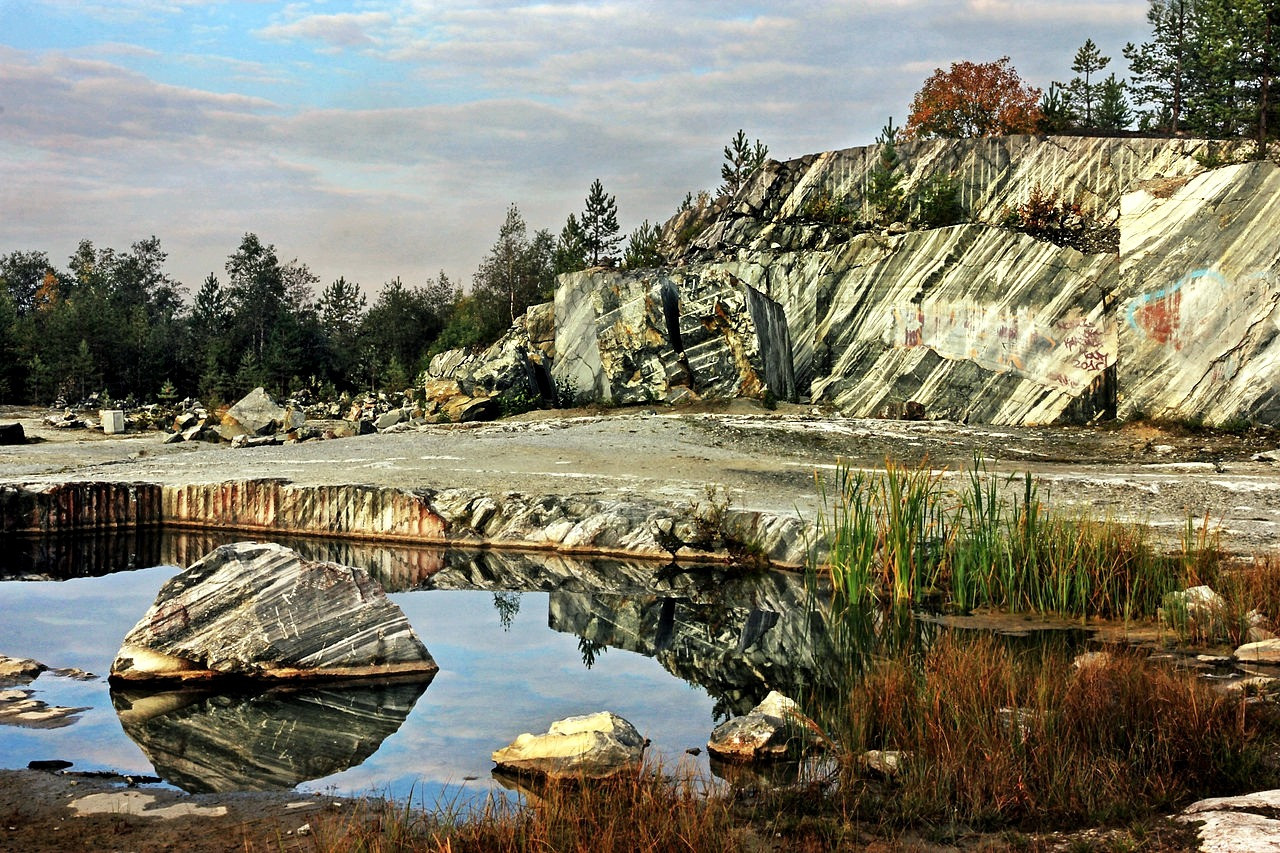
<point x="998" y="738"/>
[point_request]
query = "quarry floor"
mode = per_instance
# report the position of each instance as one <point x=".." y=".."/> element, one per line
<point x="764" y="460"/>
<point x="760" y="459"/>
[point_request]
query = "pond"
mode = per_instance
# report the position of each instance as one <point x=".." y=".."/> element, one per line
<point x="521" y="639"/>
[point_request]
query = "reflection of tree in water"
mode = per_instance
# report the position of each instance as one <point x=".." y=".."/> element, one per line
<point x="507" y="603"/>
<point x="589" y="649"/>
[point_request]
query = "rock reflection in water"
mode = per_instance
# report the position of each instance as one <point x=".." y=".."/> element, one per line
<point x="263" y="740"/>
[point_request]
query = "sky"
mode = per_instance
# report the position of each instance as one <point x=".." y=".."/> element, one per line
<point x="387" y="138"/>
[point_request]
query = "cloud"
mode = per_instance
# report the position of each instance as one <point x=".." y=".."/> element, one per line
<point x="342" y="30"/>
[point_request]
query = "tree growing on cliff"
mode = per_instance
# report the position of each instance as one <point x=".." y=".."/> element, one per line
<point x="570" y="253"/>
<point x="600" y="232"/>
<point x="1084" y="92"/>
<point x="973" y="99"/>
<point x="642" y="248"/>
<point x="741" y="160"/>
<point x="1113" y="107"/>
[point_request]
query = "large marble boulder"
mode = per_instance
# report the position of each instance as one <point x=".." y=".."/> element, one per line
<point x="591" y="746"/>
<point x="257" y="414"/>
<point x="259" y="611"/>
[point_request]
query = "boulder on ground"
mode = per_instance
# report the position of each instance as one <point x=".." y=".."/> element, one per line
<point x="12" y="434"/>
<point x="1263" y="651"/>
<point x="258" y="414"/>
<point x="591" y="746"/>
<point x="259" y="611"/>
<point x="1230" y="824"/>
<point x="769" y="730"/>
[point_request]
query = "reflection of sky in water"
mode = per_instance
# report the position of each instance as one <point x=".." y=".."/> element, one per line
<point x="492" y="685"/>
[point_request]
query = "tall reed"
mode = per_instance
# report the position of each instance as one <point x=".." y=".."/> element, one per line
<point x="897" y="535"/>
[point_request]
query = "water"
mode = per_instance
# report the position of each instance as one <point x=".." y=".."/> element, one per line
<point x="521" y="640"/>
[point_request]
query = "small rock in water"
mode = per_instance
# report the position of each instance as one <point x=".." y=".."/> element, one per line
<point x="593" y="746"/>
<point x="769" y="730"/>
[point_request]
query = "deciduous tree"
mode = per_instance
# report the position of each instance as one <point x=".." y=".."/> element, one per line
<point x="973" y="99"/>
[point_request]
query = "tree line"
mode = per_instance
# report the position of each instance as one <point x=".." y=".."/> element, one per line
<point x="1207" y="70"/>
<point x="116" y="323"/>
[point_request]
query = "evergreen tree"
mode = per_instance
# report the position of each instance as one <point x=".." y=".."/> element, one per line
<point x="741" y="162"/>
<point x="600" y="225"/>
<point x="1160" y="69"/>
<point x="642" y="248"/>
<point x="1055" y="110"/>
<point x="884" y="191"/>
<point x="571" y="248"/>
<point x="1113" y="107"/>
<point x="1084" y="91"/>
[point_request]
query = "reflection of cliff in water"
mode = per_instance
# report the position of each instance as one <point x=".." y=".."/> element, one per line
<point x="272" y="740"/>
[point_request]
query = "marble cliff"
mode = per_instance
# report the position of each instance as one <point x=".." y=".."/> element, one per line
<point x="976" y="321"/>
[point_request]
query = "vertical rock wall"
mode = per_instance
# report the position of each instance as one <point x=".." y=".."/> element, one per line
<point x="1199" y="297"/>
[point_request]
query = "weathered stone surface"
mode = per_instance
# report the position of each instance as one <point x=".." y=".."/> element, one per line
<point x="267" y="740"/>
<point x="771" y="729"/>
<point x="465" y="409"/>
<point x="19" y="670"/>
<point x="638" y="338"/>
<point x="11" y="434"/>
<point x="257" y="414"/>
<point x="1237" y="824"/>
<point x="259" y="611"/>
<point x="1263" y="651"/>
<point x="1199" y="297"/>
<point x="592" y="746"/>
<point x="17" y="708"/>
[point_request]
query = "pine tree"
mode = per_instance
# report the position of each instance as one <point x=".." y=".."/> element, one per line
<point x="600" y="225"/>
<point x="642" y="248"/>
<point x="1113" y="107"/>
<point x="1160" y="68"/>
<point x="570" y="253"/>
<point x="1089" y="61"/>
<point x="741" y="161"/>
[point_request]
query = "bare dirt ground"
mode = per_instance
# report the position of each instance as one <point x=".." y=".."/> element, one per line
<point x="762" y="459"/>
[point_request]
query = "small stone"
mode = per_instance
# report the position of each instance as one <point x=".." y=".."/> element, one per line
<point x="886" y="763"/>
<point x="769" y="730"/>
<point x="592" y="746"/>
<point x="1263" y="651"/>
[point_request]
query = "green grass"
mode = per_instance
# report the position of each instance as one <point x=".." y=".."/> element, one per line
<point x="899" y="536"/>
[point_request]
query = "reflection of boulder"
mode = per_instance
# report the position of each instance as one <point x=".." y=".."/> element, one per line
<point x="264" y="740"/>
<point x="260" y="611"/>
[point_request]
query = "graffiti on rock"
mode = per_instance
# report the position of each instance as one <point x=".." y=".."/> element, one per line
<point x="1207" y="311"/>
<point x="1067" y="351"/>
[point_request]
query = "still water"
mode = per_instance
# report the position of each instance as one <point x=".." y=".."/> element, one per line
<point x="521" y="640"/>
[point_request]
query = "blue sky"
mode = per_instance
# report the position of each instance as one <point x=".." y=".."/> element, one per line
<point x="386" y="138"/>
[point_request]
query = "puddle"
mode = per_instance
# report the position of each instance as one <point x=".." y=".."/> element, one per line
<point x="521" y="638"/>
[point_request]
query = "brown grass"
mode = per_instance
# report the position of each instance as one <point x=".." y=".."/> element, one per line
<point x="998" y="738"/>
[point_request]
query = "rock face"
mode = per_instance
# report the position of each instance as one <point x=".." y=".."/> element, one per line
<point x="258" y="611"/>
<point x="1199" y="297"/>
<point x="665" y="336"/>
<point x="591" y="746"/>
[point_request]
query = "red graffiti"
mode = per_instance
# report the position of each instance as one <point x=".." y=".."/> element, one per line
<point x="1159" y="318"/>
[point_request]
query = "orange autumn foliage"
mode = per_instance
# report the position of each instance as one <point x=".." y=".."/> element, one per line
<point x="973" y="99"/>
